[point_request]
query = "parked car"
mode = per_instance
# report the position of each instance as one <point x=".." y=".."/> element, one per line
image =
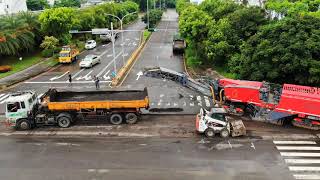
<point x="89" y="61"/>
<point x="91" y="44"/>
<point x="107" y="37"/>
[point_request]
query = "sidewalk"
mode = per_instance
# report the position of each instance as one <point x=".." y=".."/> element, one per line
<point x="25" y="74"/>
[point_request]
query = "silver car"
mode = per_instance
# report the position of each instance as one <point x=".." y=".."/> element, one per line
<point x="89" y="61"/>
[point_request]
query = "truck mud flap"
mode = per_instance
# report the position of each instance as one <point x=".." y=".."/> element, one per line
<point x="238" y="128"/>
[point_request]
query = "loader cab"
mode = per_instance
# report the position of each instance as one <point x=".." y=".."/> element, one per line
<point x="19" y="105"/>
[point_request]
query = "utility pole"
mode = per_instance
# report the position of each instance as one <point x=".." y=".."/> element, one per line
<point x="113" y="51"/>
<point x="148" y="13"/>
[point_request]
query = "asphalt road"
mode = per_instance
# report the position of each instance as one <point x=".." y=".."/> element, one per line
<point x="143" y="158"/>
<point x="165" y="94"/>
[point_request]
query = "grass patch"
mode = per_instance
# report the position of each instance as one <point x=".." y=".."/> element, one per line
<point x="52" y="61"/>
<point x="146" y="35"/>
<point x="18" y="65"/>
<point x="224" y="72"/>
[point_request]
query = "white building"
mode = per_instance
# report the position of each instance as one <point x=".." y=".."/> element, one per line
<point x="12" y="6"/>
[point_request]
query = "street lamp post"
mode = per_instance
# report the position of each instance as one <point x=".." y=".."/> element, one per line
<point x="121" y="23"/>
<point x="148" y="14"/>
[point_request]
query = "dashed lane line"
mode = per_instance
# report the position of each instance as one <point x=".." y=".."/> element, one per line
<point x="294" y="142"/>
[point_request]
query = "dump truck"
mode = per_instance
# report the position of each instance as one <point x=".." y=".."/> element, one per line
<point x="179" y="44"/>
<point x="68" y="54"/>
<point x="26" y="110"/>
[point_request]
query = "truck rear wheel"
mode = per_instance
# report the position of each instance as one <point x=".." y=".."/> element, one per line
<point x="131" y="118"/>
<point x="64" y="121"/>
<point x="115" y="119"/>
<point x="24" y="125"/>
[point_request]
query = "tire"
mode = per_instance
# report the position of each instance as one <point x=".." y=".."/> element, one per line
<point x="116" y="119"/>
<point x="131" y="118"/>
<point x="64" y="121"/>
<point x="209" y="132"/>
<point x="91" y="65"/>
<point x="224" y="133"/>
<point x="24" y="125"/>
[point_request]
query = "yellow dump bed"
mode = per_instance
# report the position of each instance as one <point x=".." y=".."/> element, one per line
<point x="95" y="100"/>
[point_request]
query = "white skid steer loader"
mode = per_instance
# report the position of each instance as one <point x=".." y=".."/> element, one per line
<point x="215" y="121"/>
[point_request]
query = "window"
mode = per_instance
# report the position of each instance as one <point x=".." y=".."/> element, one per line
<point x="30" y="101"/>
<point x="23" y="106"/>
<point x="218" y="116"/>
<point x="13" y="107"/>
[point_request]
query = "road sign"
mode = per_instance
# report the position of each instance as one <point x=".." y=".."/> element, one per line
<point x="100" y="31"/>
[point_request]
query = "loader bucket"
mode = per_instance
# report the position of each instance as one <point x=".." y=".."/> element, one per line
<point x="238" y="128"/>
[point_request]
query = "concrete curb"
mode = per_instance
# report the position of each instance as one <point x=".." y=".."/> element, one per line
<point x="124" y="71"/>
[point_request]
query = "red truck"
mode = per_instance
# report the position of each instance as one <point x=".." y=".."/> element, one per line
<point x="278" y="104"/>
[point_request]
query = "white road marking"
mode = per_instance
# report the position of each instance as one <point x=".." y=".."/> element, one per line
<point x="302" y="161"/>
<point x="304" y="148"/>
<point x="161" y="95"/>
<point x="105" y="77"/>
<point x="63" y="82"/>
<point x="4" y="98"/>
<point x="140" y="73"/>
<point x="109" y="55"/>
<point x="191" y="104"/>
<point x="184" y="104"/>
<point x="252" y="145"/>
<point x="76" y="74"/>
<point x="103" y="170"/>
<point x="304" y="168"/>
<point x="124" y="55"/>
<point x="230" y="144"/>
<point x="306" y="176"/>
<point x="127" y="39"/>
<point x="2" y="95"/>
<point x="294" y="142"/>
<point x="206" y="99"/>
<point x="301" y="154"/>
<point x="105" y="68"/>
<point x="152" y="104"/>
<point x="175" y="104"/>
<point x="58" y="77"/>
<point x="168" y="104"/>
<point x="86" y="77"/>
<point x="198" y="98"/>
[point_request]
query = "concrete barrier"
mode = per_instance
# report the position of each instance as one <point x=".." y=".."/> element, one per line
<point x="127" y="67"/>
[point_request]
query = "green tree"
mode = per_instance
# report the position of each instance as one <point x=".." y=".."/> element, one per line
<point x="49" y="42"/>
<point x="287" y="51"/>
<point x="15" y="35"/>
<point x="58" y="22"/>
<point x="67" y="3"/>
<point x="35" y="5"/>
<point x="154" y="17"/>
<point x="291" y="8"/>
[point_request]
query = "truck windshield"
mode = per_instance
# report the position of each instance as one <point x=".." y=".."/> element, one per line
<point x="13" y="107"/>
<point x="64" y="54"/>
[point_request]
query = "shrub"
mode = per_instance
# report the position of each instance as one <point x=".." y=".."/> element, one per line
<point x="5" y="68"/>
<point x="47" y="53"/>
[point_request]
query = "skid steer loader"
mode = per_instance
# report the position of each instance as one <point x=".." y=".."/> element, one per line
<point x="215" y="122"/>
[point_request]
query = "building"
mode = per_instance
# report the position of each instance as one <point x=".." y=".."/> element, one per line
<point x="12" y="6"/>
<point x="51" y="2"/>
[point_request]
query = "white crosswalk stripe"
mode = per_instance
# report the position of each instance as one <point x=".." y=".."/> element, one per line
<point x="302" y="158"/>
<point x="4" y="98"/>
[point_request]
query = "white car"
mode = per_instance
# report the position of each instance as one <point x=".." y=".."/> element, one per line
<point x="89" y="61"/>
<point x="91" y="44"/>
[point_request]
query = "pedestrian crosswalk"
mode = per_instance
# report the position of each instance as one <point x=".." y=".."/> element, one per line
<point x="301" y="157"/>
<point x="3" y="98"/>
